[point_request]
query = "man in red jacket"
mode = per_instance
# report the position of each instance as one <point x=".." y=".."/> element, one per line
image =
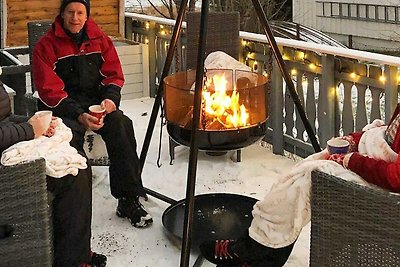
<point x="75" y="65"/>
<point x="248" y="250"/>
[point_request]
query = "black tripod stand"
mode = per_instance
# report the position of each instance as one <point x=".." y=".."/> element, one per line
<point x="191" y="178"/>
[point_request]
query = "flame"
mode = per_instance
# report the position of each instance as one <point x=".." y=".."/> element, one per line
<point x="221" y="109"/>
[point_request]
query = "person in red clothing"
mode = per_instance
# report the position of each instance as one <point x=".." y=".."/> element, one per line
<point x="251" y="250"/>
<point x="75" y="65"/>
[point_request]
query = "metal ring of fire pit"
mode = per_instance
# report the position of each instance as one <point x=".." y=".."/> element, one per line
<point x="219" y="140"/>
<point x="248" y="97"/>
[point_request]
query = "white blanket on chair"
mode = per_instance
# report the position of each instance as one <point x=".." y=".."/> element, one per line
<point x="61" y="158"/>
<point x="285" y="210"/>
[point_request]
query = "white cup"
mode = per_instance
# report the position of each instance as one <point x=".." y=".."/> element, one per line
<point x="44" y="117"/>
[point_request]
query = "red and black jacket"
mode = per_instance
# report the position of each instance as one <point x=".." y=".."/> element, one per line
<point x="379" y="172"/>
<point x="69" y="78"/>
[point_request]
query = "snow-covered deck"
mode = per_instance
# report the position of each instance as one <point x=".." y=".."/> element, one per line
<point x="125" y="245"/>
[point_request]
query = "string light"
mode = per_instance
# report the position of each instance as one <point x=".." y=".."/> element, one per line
<point x="293" y="72"/>
<point x="353" y="75"/>
<point x="285" y="57"/>
<point x="146" y="41"/>
<point x="255" y="65"/>
<point x="382" y="78"/>
<point x="147" y="26"/>
<point x="312" y="66"/>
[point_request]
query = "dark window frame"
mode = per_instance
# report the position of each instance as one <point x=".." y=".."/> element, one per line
<point x="364" y="12"/>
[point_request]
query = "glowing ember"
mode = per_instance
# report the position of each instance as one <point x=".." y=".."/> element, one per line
<point x="219" y="109"/>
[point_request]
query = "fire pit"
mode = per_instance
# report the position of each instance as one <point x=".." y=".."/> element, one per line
<point x="233" y="112"/>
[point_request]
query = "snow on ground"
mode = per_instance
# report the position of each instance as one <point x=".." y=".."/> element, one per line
<point x="125" y="245"/>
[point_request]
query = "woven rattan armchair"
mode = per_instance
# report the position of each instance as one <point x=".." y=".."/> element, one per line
<point x="353" y="225"/>
<point x="24" y="206"/>
<point x="36" y="29"/>
<point x="222" y="35"/>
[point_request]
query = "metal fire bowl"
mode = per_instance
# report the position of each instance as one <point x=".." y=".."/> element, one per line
<point x="215" y="216"/>
<point x="219" y="140"/>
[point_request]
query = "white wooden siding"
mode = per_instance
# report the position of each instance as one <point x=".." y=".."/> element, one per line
<point x="135" y="66"/>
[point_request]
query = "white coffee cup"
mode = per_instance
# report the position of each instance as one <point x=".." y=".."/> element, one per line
<point x="44" y="117"/>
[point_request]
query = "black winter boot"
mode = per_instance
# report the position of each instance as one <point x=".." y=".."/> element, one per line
<point x="134" y="211"/>
<point x="98" y="260"/>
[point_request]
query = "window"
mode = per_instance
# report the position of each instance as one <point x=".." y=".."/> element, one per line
<point x="327" y="10"/>
<point x="398" y="15"/>
<point x="353" y="11"/>
<point x="371" y="12"/>
<point x="381" y="13"/>
<point x="345" y="9"/>
<point x="362" y="11"/>
<point x="335" y="9"/>
<point x="391" y="13"/>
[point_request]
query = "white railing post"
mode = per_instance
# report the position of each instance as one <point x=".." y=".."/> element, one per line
<point x="391" y="90"/>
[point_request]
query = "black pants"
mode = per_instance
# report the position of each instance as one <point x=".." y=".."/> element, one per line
<point x="119" y="137"/>
<point x="72" y="217"/>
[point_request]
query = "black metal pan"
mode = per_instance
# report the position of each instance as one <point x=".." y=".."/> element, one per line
<point x="216" y="216"/>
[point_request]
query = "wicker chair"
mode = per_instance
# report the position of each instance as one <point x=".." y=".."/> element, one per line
<point x="222" y="35"/>
<point x="24" y="205"/>
<point x="353" y="225"/>
<point x="36" y="29"/>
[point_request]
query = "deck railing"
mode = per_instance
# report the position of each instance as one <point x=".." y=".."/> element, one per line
<point x="341" y="89"/>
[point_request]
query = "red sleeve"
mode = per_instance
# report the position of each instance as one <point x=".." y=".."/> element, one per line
<point x="49" y="86"/>
<point x="111" y="70"/>
<point x="356" y="138"/>
<point x="379" y="172"/>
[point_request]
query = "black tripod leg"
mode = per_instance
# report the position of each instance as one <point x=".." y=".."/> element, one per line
<point x="159" y="94"/>
<point x="285" y="74"/>
<point x="191" y="178"/>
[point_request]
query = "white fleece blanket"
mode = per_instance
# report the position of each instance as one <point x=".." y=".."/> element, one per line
<point x="61" y="158"/>
<point x="285" y="210"/>
<point x="221" y="60"/>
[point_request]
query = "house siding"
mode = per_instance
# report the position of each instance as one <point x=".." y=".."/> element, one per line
<point x="336" y="20"/>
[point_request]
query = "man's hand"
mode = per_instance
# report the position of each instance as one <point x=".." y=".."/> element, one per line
<point x="90" y="122"/>
<point x="108" y="105"/>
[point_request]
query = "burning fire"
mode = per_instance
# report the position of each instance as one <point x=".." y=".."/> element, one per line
<point x="220" y="109"/>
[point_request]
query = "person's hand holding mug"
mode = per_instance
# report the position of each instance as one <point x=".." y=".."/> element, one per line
<point x="94" y="119"/>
